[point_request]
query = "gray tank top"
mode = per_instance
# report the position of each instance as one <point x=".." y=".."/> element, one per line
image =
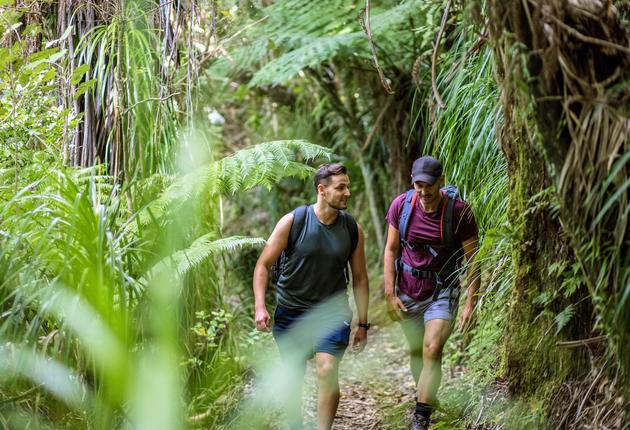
<point x="315" y="268"/>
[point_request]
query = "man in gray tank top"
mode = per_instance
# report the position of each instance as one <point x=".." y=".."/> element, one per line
<point x="313" y="316"/>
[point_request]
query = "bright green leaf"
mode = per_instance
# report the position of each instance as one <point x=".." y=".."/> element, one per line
<point x="84" y="87"/>
<point x="79" y="72"/>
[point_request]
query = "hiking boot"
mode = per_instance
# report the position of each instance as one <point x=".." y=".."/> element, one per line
<point x="419" y="422"/>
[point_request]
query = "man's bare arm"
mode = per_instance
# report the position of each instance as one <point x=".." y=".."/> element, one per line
<point x="360" y="284"/>
<point x="392" y="249"/>
<point x="272" y="250"/>
<point x="361" y="290"/>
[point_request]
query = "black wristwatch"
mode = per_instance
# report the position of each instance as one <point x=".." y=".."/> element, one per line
<point x="365" y="325"/>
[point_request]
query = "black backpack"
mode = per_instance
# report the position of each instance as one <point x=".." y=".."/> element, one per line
<point x="299" y="217"/>
<point x="451" y="193"/>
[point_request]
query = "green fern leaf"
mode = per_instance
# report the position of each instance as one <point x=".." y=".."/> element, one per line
<point x="263" y="164"/>
<point x="182" y="262"/>
<point x="564" y="317"/>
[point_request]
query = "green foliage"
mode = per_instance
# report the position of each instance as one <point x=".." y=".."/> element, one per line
<point x="30" y="115"/>
<point x="266" y="164"/>
<point x="263" y="164"/>
<point x="296" y="36"/>
<point x="73" y="271"/>
<point x="120" y="57"/>
<point x="463" y="134"/>
<point x="182" y="262"/>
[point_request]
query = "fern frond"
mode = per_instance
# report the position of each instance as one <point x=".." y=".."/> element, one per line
<point x="311" y="55"/>
<point x="199" y="251"/>
<point x="264" y="164"/>
<point x="307" y="36"/>
<point x="564" y="317"/>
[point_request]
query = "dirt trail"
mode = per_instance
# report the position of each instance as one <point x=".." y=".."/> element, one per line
<point x="377" y="389"/>
<point x="372" y="383"/>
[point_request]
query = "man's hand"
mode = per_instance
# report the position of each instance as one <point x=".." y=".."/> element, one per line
<point x="359" y="340"/>
<point x="263" y="320"/>
<point x="394" y="306"/>
<point x="465" y="316"/>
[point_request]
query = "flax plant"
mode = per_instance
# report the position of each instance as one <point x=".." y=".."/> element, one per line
<point x="94" y="308"/>
<point x="462" y="135"/>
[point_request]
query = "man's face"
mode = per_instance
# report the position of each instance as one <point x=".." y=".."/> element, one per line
<point x="337" y="192"/>
<point x="429" y="194"/>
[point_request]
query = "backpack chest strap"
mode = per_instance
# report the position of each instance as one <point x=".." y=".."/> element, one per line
<point x="419" y="273"/>
<point x="415" y="245"/>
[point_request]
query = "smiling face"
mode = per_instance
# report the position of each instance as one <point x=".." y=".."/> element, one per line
<point x="430" y="195"/>
<point x="335" y="192"/>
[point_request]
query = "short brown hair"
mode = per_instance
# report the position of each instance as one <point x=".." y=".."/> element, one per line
<point x="325" y="171"/>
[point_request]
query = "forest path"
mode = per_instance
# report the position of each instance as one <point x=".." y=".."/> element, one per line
<point x="378" y="392"/>
<point x="375" y="384"/>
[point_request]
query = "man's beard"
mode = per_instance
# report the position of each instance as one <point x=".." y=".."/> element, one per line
<point x="337" y="207"/>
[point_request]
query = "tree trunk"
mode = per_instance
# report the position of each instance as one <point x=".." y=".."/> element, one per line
<point x="562" y="67"/>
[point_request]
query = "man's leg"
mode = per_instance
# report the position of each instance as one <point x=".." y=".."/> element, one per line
<point x="412" y="325"/>
<point x="414" y="333"/>
<point x="293" y="396"/>
<point x="290" y="336"/>
<point x="331" y="340"/>
<point x="436" y="333"/>
<point x="328" y="389"/>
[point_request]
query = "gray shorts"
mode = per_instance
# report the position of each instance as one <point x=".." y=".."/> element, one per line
<point x="444" y="308"/>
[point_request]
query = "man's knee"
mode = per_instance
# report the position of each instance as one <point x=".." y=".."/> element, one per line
<point x="432" y="350"/>
<point x="326" y="368"/>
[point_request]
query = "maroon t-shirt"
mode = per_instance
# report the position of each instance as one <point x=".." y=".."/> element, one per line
<point x="424" y="227"/>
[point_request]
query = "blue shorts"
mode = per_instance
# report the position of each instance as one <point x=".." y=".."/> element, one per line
<point x="303" y="333"/>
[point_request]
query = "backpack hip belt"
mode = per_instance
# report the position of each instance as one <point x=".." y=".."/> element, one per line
<point x="429" y="274"/>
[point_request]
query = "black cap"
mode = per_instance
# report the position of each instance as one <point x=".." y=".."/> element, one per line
<point x="426" y="169"/>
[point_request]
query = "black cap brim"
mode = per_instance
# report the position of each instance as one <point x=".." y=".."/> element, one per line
<point x="424" y="178"/>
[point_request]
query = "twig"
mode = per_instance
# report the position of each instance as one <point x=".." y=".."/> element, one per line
<point x="480" y="412"/>
<point x="568" y="408"/>
<point x="151" y="99"/>
<point x="365" y="23"/>
<point x="436" y="49"/>
<point x="376" y="126"/>
<point x="214" y="18"/>
<point x="589" y="39"/>
<point x="590" y="389"/>
<point x="581" y="342"/>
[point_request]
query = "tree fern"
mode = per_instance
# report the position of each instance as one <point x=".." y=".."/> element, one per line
<point x="301" y="36"/>
<point x="267" y="163"/>
<point x="200" y="250"/>
<point x="264" y="164"/>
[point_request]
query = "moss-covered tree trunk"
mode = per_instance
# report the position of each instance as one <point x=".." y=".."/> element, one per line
<point x="561" y="68"/>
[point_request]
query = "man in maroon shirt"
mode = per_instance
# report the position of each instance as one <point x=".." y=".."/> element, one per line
<point x="427" y="263"/>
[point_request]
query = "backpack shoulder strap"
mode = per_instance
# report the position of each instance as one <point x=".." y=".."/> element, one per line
<point x="299" y="218"/>
<point x="353" y="230"/>
<point x="410" y="202"/>
<point x="446" y="224"/>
